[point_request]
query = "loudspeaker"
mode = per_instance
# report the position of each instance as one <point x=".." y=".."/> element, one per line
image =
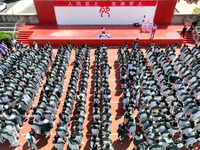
<point x="136" y="24"/>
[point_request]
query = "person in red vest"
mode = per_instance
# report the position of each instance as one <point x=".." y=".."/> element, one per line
<point x="193" y="25"/>
<point x="144" y="19"/>
<point x="103" y="30"/>
<point x="153" y="31"/>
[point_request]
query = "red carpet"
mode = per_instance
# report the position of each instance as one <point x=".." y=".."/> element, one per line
<point x="78" y="34"/>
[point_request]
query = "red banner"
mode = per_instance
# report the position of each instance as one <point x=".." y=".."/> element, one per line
<point x="89" y="3"/>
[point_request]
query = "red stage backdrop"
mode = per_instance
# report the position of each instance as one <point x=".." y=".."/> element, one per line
<point x="88" y="12"/>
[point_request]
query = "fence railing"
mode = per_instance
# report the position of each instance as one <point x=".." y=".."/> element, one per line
<point x="18" y="25"/>
<point x="187" y="21"/>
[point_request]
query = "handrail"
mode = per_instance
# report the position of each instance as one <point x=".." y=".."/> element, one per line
<point x="18" y="25"/>
<point x="187" y="21"/>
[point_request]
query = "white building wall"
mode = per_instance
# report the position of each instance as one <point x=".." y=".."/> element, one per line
<point x="92" y="16"/>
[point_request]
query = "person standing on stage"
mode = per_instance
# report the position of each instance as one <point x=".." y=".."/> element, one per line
<point x="103" y="30"/>
<point x="184" y="31"/>
<point x="153" y="31"/>
<point x="144" y="19"/>
<point x="193" y="25"/>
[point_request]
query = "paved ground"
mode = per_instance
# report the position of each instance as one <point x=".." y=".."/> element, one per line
<point x="19" y="6"/>
<point x="183" y="7"/>
<point x="29" y="9"/>
<point x="10" y="4"/>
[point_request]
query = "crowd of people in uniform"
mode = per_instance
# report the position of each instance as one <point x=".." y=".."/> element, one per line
<point x="164" y="88"/>
<point x="75" y="139"/>
<point x="101" y="102"/>
<point x="22" y="74"/>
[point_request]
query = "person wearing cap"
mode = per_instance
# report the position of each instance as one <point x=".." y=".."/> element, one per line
<point x="31" y="140"/>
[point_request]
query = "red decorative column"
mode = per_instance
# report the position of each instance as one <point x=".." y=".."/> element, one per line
<point x="45" y="11"/>
<point x="164" y="11"/>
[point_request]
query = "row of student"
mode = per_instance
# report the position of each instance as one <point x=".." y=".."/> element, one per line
<point x="95" y="127"/>
<point x="175" y="103"/>
<point x="131" y="94"/>
<point x="101" y="120"/>
<point x="75" y="140"/>
<point x="45" y="112"/>
<point x="160" y="98"/>
<point x="106" y="97"/>
<point x="19" y="87"/>
<point x="65" y="116"/>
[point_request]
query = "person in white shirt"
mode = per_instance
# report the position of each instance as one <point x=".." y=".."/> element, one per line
<point x="31" y="140"/>
<point x="144" y="19"/>
<point x="103" y="30"/>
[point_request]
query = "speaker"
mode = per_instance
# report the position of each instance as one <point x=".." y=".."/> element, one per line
<point x="136" y="24"/>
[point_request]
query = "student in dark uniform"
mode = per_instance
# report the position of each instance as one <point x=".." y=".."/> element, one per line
<point x="183" y="31"/>
<point x="121" y="131"/>
<point x="46" y="125"/>
<point x="193" y="25"/>
<point x="137" y="140"/>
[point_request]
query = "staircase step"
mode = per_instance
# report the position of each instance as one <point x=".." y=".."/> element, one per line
<point x="23" y="36"/>
<point x="22" y="41"/>
<point x="24" y="33"/>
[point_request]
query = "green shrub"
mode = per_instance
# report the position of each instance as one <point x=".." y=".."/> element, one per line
<point x="196" y="10"/>
<point x="5" y="36"/>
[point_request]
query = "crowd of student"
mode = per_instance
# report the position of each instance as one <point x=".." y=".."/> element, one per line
<point x="22" y="74"/>
<point x="163" y="87"/>
<point x="101" y="101"/>
<point x="5" y="52"/>
<point x="165" y="90"/>
<point x="75" y="140"/>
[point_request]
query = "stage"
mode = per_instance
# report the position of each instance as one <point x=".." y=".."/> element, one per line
<point x="79" y="34"/>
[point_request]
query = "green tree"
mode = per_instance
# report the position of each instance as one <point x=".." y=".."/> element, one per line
<point x="196" y="10"/>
